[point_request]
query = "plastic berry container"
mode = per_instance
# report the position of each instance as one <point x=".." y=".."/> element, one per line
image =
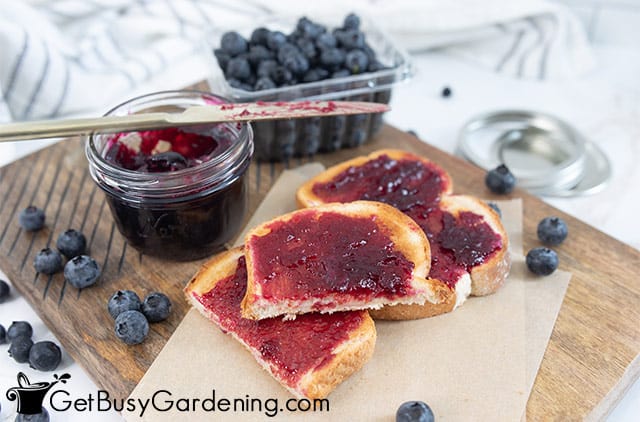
<point x="280" y="140"/>
<point x="187" y="213"/>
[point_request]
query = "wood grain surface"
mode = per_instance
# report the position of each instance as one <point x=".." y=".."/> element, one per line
<point x="596" y="337"/>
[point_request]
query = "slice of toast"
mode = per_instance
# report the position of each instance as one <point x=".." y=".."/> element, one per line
<point x="422" y="190"/>
<point x="338" y="257"/>
<point x="309" y="356"/>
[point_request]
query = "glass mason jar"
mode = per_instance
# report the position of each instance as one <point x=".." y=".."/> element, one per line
<point x="183" y="214"/>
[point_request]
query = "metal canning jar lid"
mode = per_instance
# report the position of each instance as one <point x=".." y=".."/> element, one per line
<point x="547" y="156"/>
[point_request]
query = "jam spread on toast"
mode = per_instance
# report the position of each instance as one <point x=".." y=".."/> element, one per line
<point x="290" y="348"/>
<point x="458" y="242"/>
<point x="318" y="253"/>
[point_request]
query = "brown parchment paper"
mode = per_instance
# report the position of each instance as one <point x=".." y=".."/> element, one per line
<point x="477" y="363"/>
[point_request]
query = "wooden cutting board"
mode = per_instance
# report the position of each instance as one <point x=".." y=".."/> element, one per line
<point x="595" y="340"/>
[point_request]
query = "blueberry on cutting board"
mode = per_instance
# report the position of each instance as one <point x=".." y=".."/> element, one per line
<point x="552" y="230"/>
<point x="500" y="180"/>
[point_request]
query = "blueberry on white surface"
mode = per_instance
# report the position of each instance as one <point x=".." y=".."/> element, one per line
<point x="45" y="356"/>
<point x="542" y="261"/>
<point x="19" y="329"/>
<point x="19" y="349"/>
<point x="414" y="411"/>
<point x="131" y="327"/>
<point x="4" y="291"/>
<point x="43" y="416"/>
<point x="552" y="230"/>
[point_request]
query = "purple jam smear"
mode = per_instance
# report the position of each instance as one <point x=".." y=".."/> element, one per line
<point x="290" y="348"/>
<point x="458" y="243"/>
<point x="166" y="150"/>
<point x="313" y="254"/>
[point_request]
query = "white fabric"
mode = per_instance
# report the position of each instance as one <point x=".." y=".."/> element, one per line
<point x="62" y="57"/>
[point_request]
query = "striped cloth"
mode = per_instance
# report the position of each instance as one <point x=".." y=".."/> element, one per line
<point x="65" y="57"/>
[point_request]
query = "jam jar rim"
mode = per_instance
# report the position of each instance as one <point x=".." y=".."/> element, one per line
<point x="137" y="186"/>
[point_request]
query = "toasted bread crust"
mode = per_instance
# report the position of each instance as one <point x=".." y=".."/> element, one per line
<point x="408" y="312"/>
<point x="306" y="198"/>
<point x="349" y="358"/>
<point x="407" y="236"/>
<point x="318" y="382"/>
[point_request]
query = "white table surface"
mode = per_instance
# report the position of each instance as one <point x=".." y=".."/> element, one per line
<point x="604" y="105"/>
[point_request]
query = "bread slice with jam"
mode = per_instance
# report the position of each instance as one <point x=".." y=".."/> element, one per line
<point x="310" y="356"/>
<point x="469" y="246"/>
<point x="338" y="257"/>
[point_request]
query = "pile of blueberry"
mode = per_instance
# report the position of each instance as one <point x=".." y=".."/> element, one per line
<point x="43" y="355"/>
<point x="551" y="230"/>
<point x="132" y="316"/>
<point x="80" y="270"/>
<point x="271" y="59"/>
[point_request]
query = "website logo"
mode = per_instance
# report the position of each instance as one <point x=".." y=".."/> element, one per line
<point x="30" y="396"/>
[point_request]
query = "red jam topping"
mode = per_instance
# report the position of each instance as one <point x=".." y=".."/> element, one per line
<point x="291" y="348"/>
<point x="315" y="253"/>
<point x="457" y="243"/>
<point x="399" y="183"/>
<point x="165" y="150"/>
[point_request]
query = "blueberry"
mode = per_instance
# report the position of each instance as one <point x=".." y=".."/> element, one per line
<point x="131" y="327"/>
<point x="340" y="73"/>
<point x="166" y="162"/>
<point x="31" y="218"/>
<point x="156" y="307"/>
<point x="265" y="68"/>
<point x="19" y="329"/>
<point x="326" y="40"/>
<point x="552" y="230"/>
<point x="82" y="271"/>
<point x="3" y="334"/>
<point x="43" y="416"/>
<point x="258" y="54"/>
<point x="19" y="349"/>
<point x="238" y="68"/>
<point x="542" y="261"/>
<point x="307" y="47"/>
<point x="233" y="43"/>
<point x="281" y="75"/>
<point x="308" y="29"/>
<point x="500" y="180"/>
<point x="222" y="56"/>
<point x="275" y="39"/>
<point x="351" y="21"/>
<point x="414" y="411"/>
<point x="315" y="74"/>
<point x="350" y="39"/>
<point x="48" y="261"/>
<point x="446" y="92"/>
<point x="356" y="61"/>
<point x="496" y="208"/>
<point x="4" y="291"/>
<point x="332" y="58"/>
<point x="292" y="59"/>
<point x="264" y="83"/>
<point x="45" y="356"/>
<point x="259" y="36"/>
<point x="123" y="300"/>
<point x="71" y="243"/>
<point x="239" y="84"/>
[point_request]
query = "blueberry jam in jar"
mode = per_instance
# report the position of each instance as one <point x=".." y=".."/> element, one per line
<point x="175" y="193"/>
